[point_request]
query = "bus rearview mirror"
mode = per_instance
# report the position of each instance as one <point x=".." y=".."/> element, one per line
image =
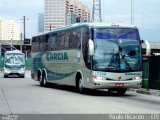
<point x="91" y="47"/>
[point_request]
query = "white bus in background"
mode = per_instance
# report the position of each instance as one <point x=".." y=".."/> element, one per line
<point x="14" y="64"/>
<point x="89" y="55"/>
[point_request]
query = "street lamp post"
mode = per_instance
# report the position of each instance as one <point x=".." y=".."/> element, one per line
<point x="21" y="43"/>
<point x="12" y="37"/>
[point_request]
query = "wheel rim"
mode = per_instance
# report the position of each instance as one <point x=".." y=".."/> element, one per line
<point x="80" y="87"/>
<point x="44" y="81"/>
<point x="40" y="80"/>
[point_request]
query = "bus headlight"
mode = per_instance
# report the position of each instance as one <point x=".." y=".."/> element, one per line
<point x="22" y="69"/>
<point x="138" y="78"/>
<point x="97" y="77"/>
<point x="6" y="70"/>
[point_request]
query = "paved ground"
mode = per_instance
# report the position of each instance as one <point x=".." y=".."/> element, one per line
<point x="25" y="96"/>
<point x="147" y="91"/>
<point x="24" y="99"/>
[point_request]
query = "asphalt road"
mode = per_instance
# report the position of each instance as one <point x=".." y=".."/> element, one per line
<point x="25" y="96"/>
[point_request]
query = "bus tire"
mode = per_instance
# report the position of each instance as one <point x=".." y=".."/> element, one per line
<point x="79" y="86"/>
<point x="5" y="76"/>
<point x="22" y="76"/>
<point x="40" y="80"/>
<point x="121" y="91"/>
<point x="44" y="79"/>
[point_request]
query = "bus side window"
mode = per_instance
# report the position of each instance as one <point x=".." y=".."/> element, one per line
<point x="66" y="41"/>
<point x="46" y="43"/>
<point x="42" y="43"/>
<point x="35" y="45"/>
<point x="52" y="41"/>
<point x="71" y="39"/>
<point x="75" y="39"/>
<point x="60" y="40"/>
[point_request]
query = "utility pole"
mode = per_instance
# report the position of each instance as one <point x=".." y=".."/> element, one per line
<point x="96" y="11"/>
<point x="24" y="28"/>
<point x="21" y="43"/>
<point x="132" y="11"/>
<point x="12" y="37"/>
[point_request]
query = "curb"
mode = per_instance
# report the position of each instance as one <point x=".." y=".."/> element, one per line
<point x="146" y="91"/>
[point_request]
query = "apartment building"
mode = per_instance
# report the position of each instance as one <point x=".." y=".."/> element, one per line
<point x="59" y="13"/>
<point x="9" y="30"/>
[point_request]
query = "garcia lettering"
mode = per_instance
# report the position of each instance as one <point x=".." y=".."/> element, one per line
<point x="60" y="56"/>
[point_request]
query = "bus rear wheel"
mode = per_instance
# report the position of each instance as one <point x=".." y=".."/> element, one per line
<point x="43" y="81"/>
<point x="40" y="80"/>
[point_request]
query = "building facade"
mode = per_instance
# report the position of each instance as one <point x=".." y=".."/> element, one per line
<point x="40" y="23"/>
<point x="9" y="30"/>
<point x="59" y="13"/>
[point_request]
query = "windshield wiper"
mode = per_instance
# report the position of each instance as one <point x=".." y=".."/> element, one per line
<point x="125" y="62"/>
<point x="122" y="58"/>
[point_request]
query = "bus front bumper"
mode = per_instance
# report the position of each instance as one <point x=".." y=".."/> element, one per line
<point x="105" y="84"/>
<point x="20" y="72"/>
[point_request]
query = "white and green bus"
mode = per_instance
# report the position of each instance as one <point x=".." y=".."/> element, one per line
<point x="89" y="55"/>
<point x="14" y="64"/>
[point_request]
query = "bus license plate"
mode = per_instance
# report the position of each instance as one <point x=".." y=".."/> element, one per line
<point x="14" y="71"/>
<point x="119" y="84"/>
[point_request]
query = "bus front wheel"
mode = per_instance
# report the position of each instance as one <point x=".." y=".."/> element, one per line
<point x="5" y="76"/>
<point x="80" y="87"/>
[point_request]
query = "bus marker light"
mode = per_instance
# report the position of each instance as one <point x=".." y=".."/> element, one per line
<point x="119" y="84"/>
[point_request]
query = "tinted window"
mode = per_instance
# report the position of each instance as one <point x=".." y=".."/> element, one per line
<point x="75" y="39"/>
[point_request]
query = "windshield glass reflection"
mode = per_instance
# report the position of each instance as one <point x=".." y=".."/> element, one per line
<point x="14" y="59"/>
<point x="117" y="49"/>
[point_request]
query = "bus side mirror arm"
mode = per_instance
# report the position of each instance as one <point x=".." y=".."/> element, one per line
<point x="90" y="47"/>
<point x="148" y="47"/>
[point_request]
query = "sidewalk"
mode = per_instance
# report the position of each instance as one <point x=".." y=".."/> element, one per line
<point x="145" y="91"/>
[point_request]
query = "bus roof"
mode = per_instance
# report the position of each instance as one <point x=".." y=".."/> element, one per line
<point x="14" y="51"/>
<point x="91" y="25"/>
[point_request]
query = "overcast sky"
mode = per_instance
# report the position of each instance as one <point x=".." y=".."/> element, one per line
<point x="146" y="14"/>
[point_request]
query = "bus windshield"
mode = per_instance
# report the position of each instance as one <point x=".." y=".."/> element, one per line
<point x="15" y="59"/>
<point x="117" y="49"/>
